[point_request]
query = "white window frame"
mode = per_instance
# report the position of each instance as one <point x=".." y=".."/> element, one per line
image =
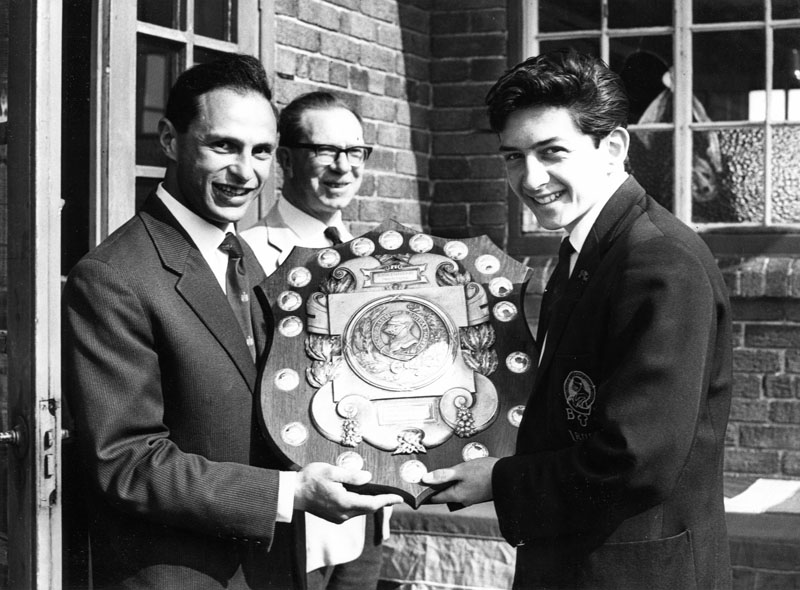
<point x="683" y="126"/>
<point x="113" y="106"/>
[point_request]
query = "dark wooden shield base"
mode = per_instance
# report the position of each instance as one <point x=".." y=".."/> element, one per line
<point x="291" y="405"/>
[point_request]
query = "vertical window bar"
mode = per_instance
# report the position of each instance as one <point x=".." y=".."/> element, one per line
<point x="530" y="30"/>
<point x="605" y="43"/>
<point x="188" y="58"/>
<point x="682" y="115"/>
<point x="229" y="24"/>
<point x="768" y="124"/>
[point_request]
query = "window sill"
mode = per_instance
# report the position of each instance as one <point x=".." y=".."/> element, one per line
<point x="746" y="277"/>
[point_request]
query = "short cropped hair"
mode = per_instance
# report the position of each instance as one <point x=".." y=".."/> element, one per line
<point x="289" y="123"/>
<point x="593" y="94"/>
<point x="239" y="72"/>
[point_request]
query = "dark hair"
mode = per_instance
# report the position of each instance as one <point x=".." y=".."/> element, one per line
<point x="243" y="73"/>
<point x="289" y="126"/>
<point x="594" y="95"/>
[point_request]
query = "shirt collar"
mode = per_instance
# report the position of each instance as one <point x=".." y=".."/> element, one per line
<point x="206" y="236"/>
<point x="309" y="229"/>
<point x="581" y="230"/>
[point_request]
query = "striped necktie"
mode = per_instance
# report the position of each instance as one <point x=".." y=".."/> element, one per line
<point x="238" y="288"/>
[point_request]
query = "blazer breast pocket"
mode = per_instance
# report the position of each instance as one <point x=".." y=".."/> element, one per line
<point x="658" y="564"/>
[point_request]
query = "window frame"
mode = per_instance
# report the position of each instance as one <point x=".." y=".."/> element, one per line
<point x="114" y="170"/>
<point x="734" y="239"/>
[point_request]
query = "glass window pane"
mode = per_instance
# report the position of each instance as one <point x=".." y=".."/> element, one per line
<point x="557" y="15"/>
<point x="639" y="13"/>
<point x="738" y="195"/>
<point x="785" y="9"/>
<point x="785" y="101"/>
<point x="643" y="64"/>
<point x="166" y="13"/>
<point x="726" y="11"/>
<point x="590" y="46"/>
<point x="785" y="171"/>
<point x="202" y="55"/>
<point x="728" y="67"/>
<point x="216" y="19"/>
<point x="156" y="69"/>
<point x="651" y="161"/>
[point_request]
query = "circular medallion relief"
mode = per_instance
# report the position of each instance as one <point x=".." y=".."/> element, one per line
<point x="518" y="362"/>
<point x="412" y="471"/>
<point x="515" y="416"/>
<point x="294" y="434"/>
<point x="400" y="342"/>
<point x="328" y="258"/>
<point x="474" y="450"/>
<point x="289" y="300"/>
<point x="350" y="460"/>
<point x="290" y="326"/>
<point x="421" y="243"/>
<point x="487" y="264"/>
<point x="505" y="311"/>
<point x="299" y="276"/>
<point x="390" y="240"/>
<point x="362" y="246"/>
<point x="500" y="287"/>
<point x="287" y="379"/>
<point x="456" y="250"/>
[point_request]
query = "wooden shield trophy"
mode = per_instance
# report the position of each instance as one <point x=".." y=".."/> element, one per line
<point x="399" y="353"/>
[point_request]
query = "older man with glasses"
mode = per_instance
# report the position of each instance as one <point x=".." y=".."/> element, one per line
<point x="322" y="155"/>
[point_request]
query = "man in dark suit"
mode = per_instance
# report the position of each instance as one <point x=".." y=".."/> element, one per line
<point x="163" y="331"/>
<point x="616" y="482"/>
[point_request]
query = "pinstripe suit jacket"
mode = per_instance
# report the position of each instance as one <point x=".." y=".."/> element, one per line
<point x="183" y="488"/>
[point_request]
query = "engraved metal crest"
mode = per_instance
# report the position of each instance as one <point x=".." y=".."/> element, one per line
<point x="397" y="352"/>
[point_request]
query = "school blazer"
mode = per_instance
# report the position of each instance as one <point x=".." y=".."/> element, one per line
<point x="616" y="482"/>
<point x="183" y="488"/>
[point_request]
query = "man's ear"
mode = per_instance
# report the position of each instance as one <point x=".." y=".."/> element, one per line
<point x="284" y="158"/>
<point x="618" y="141"/>
<point x="167" y="138"/>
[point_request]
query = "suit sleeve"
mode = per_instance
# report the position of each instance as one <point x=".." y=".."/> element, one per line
<point x="114" y="365"/>
<point x="658" y="345"/>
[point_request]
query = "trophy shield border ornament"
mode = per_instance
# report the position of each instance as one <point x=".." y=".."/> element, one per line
<point x="397" y="352"/>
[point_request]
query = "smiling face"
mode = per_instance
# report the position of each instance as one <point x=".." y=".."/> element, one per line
<point x="557" y="170"/>
<point x="322" y="190"/>
<point x="220" y="164"/>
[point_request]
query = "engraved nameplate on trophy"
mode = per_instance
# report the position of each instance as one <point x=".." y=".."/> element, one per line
<point x="399" y="353"/>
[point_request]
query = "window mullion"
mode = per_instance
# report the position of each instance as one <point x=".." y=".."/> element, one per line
<point x="770" y="48"/>
<point x="605" y="49"/>
<point x="190" y="34"/>
<point x="682" y="88"/>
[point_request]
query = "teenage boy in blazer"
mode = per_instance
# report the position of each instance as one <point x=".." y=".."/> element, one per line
<point x="161" y="372"/>
<point x="616" y="482"/>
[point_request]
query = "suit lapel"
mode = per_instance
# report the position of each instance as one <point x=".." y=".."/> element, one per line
<point x="617" y="215"/>
<point x="279" y="236"/>
<point x="197" y="284"/>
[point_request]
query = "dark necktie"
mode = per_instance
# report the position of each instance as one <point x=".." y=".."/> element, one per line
<point x="238" y="288"/>
<point x="555" y="289"/>
<point x="333" y="235"/>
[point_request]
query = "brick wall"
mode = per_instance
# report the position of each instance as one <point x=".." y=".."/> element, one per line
<point x="468" y="51"/>
<point x="376" y="55"/>
<point x="764" y="430"/>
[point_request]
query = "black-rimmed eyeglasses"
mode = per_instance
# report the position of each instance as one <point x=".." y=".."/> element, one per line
<point x="328" y="154"/>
